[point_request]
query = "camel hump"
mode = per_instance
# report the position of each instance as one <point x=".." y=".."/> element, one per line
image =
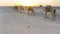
<point x="48" y="6"/>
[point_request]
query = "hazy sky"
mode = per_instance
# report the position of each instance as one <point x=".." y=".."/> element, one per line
<point x="37" y="2"/>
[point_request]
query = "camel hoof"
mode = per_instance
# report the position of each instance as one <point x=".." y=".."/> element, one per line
<point x="28" y="26"/>
<point x="53" y="19"/>
<point x="44" y="17"/>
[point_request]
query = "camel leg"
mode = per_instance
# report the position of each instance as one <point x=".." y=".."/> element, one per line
<point x="45" y="15"/>
<point x="53" y="15"/>
<point x="28" y="13"/>
<point x="21" y="10"/>
<point x="16" y="10"/>
<point x="32" y="13"/>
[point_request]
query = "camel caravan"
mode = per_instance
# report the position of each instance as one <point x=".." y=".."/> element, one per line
<point x="46" y="9"/>
<point x="28" y="8"/>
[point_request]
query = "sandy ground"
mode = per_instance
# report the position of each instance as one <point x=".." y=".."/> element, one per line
<point x="16" y="23"/>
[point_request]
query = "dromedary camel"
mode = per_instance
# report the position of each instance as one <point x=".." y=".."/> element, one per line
<point x="30" y="11"/>
<point x="50" y="9"/>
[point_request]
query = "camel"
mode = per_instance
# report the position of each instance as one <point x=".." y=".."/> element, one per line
<point x="30" y="11"/>
<point x="50" y="9"/>
<point x="15" y="8"/>
<point x="20" y="8"/>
